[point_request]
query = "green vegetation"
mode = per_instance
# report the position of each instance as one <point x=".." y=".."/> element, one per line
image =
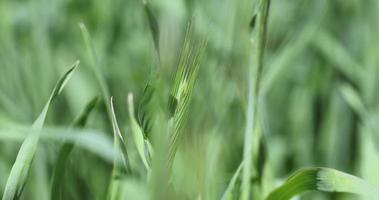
<point x="189" y="99"/>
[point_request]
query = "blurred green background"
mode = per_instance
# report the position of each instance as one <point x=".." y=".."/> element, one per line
<point x="319" y="87"/>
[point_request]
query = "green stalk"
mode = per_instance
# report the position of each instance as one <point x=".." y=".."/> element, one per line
<point x="255" y="71"/>
<point x="95" y="67"/>
<point x="119" y="145"/>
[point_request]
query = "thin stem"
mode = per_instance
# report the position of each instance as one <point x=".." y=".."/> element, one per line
<point x="255" y="71"/>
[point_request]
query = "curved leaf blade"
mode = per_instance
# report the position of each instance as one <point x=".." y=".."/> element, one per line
<point x="137" y="133"/>
<point x="120" y="146"/>
<point x="323" y="180"/>
<point x="19" y="172"/>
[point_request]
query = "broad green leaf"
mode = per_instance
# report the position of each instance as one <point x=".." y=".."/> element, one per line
<point x="323" y="180"/>
<point x="65" y="151"/>
<point x="19" y="172"/>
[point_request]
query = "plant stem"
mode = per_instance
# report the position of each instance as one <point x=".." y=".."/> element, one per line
<point x="255" y="71"/>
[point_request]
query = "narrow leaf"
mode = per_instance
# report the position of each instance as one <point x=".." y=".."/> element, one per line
<point x="354" y="100"/>
<point x="228" y="194"/>
<point x="356" y="103"/>
<point x="19" y="172"/>
<point x="120" y="141"/>
<point x="92" y="141"/>
<point x="65" y="151"/>
<point x="336" y="53"/>
<point x="153" y="22"/>
<point x="137" y="133"/>
<point x="95" y="67"/>
<point x="146" y="110"/>
<point x="119" y="170"/>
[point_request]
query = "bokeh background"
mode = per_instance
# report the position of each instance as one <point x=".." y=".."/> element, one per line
<point x="319" y="87"/>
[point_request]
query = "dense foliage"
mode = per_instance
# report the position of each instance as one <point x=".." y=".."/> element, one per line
<point x="189" y="99"/>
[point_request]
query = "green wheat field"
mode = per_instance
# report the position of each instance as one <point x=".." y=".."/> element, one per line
<point x="189" y="99"/>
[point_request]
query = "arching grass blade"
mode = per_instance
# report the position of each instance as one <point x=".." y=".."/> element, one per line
<point x="19" y="172"/>
<point x="121" y="142"/>
<point x="323" y="180"/>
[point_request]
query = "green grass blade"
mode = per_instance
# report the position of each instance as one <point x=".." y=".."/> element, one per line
<point x="229" y="190"/>
<point x="96" y="68"/>
<point x="323" y="180"/>
<point x="93" y="141"/>
<point x="253" y="96"/>
<point x="283" y="63"/>
<point x="65" y="150"/>
<point x="137" y="133"/>
<point x="19" y="172"/>
<point x="357" y="105"/>
<point x="120" y="140"/>
<point x="146" y="110"/>
<point x="336" y="53"/>
<point x="118" y="145"/>
<point x="354" y="100"/>
<point x="153" y="23"/>
<point x="119" y="170"/>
